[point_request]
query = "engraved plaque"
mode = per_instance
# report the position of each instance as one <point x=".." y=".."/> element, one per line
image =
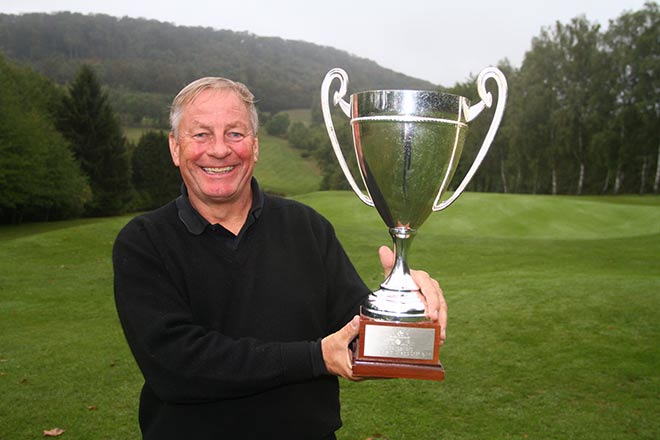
<point x="399" y="342"/>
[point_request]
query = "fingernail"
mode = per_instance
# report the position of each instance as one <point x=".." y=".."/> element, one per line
<point x="355" y="322"/>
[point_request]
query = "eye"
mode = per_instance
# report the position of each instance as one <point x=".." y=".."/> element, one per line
<point x="235" y="136"/>
<point x="201" y="137"/>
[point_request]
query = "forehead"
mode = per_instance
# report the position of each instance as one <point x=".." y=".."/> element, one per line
<point x="216" y="106"/>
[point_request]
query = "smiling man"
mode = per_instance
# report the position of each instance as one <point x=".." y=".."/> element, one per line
<point x="238" y="306"/>
<point x="216" y="147"/>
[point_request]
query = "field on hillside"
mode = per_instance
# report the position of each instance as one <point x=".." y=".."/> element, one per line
<point x="303" y="115"/>
<point x="554" y="322"/>
<point x="281" y="169"/>
<point x="134" y="133"/>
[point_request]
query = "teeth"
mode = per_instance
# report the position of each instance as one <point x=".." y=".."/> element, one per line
<point x="218" y="170"/>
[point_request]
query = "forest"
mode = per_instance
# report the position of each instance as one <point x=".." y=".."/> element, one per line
<point x="582" y="114"/>
<point x="144" y="63"/>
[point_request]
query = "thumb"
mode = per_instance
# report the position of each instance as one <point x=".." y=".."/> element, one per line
<point x="336" y="354"/>
<point x="386" y="259"/>
<point x="350" y="330"/>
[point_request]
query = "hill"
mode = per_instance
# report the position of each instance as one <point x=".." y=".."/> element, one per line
<point x="145" y="62"/>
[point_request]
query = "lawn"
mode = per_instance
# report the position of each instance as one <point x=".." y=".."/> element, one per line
<point x="553" y="332"/>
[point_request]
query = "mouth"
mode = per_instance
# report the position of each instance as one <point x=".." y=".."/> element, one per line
<point x="214" y="170"/>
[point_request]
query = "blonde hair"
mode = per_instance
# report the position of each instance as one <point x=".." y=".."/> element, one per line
<point x="190" y="92"/>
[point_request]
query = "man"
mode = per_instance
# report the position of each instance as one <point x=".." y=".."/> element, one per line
<point x="238" y="307"/>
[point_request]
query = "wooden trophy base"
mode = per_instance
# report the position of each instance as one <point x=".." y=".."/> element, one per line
<point x="389" y="349"/>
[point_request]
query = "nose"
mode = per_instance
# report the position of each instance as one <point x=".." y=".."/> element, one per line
<point x="219" y="147"/>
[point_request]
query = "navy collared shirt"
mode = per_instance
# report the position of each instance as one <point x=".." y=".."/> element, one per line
<point x="196" y="224"/>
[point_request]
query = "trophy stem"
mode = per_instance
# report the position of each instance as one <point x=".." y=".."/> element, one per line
<point x="398" y="297"/>
<point x="399" y="279"/>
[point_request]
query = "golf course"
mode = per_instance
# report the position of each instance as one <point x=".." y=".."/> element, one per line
<point x="554" y="322"/>
<point x="549" y="262"/>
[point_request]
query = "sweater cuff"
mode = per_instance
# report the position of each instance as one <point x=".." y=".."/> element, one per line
<point x="318" y="364"/>
<point x="302" y="361"/>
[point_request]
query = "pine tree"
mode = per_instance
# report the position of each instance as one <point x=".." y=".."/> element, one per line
<point x="89" y="123"/>
<point x="155" y="177"/>
<point x="39" y="178"/>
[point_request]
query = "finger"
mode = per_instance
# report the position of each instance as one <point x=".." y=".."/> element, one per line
<point x="350" y="332"/>
<point x="336" y="354"/>
<point x="346" y="335"/>
<point x="434" y="301"/>
<point x="430" y="290"/>
<point x="442" y="318"/>
<point x="386" y="259"/>
<point x="351" y="329"/>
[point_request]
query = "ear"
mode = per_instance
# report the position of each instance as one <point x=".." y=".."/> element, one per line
<point x="174" y="149"/>
<point x="255" y="149"/>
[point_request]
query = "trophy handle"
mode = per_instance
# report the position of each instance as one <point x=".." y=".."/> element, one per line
<point x="473" y="112"/>
<point x="346" y="108"/>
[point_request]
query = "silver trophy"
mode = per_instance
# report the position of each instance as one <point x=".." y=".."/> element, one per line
<point x="408" y="144"/>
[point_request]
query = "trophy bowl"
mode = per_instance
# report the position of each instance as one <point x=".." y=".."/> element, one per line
<point x="408" y="144"/>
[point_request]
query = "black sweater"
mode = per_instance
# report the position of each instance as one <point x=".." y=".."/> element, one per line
<point x="228" y="339"/>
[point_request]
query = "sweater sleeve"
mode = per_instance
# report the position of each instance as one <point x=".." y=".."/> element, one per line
<point x="347" y="289"/>
<point x="182" y="361"/>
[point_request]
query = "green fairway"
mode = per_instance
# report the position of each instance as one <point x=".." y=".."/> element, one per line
<point x="554" y="322"/>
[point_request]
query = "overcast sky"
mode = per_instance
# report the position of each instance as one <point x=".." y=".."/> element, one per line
<point x="441" y="41"/>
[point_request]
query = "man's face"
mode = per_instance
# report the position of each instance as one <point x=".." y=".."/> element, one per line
<point x="215" y="149"/>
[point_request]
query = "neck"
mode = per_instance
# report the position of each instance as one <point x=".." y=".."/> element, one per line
<point x="231" y="215"/>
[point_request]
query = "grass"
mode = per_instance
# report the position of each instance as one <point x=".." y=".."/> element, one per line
<point x="303" y="115"/>
<point x="62" y="359"/>
<point x="281" y="169"/>
<point x="553" y="333"/>
<point x="135" y="132"/>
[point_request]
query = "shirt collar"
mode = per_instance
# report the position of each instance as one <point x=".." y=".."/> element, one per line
<point x="196" y="224"/>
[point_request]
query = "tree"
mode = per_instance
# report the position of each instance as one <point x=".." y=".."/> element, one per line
<point x="39" y="178"/>
<point x="278" y="124"/>
<point x="492" y="172"/>
<point x="333" y="176"/>
<point x="554" y="112"/>
<point x="579" y="62"/>
<point x="632" y="42"/>
<point x="154" y="59"/>
<point x="86" y="119"/>
<point x="308" y="138"/>
<point x="527" y="120"/>
<point x="581" y="117"/>
<point x="155" y="177"/>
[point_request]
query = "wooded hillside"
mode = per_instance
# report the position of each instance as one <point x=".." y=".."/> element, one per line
<point x="145" y="62"/>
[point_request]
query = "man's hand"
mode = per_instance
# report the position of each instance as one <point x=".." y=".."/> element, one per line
<point x="336" y="354"/>
<point x="434" y="301"/>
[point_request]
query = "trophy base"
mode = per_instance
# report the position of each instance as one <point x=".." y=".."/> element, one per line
<point x="389" y="370"/>
<point x="405" y="350"/>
